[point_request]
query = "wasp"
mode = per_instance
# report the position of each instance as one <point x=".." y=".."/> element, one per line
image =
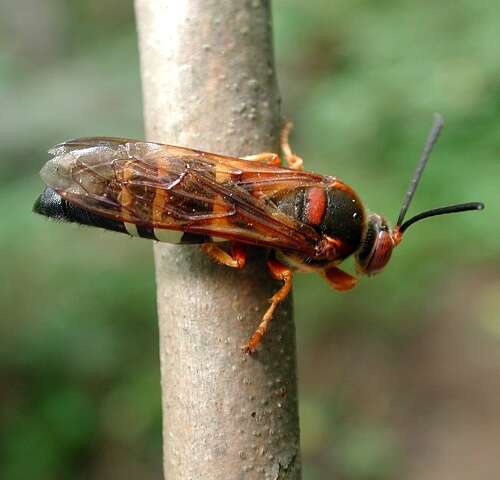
<point x="309" y="222"/>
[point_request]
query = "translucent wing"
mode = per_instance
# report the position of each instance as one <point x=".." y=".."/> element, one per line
<point x="168" y="187"/>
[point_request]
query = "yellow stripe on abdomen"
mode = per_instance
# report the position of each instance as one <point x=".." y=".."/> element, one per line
<point x="167" y="235"/>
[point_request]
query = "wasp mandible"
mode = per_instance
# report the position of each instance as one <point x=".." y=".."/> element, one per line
<point x="310" y="222"/>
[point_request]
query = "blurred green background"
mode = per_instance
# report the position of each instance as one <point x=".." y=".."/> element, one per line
<point x="399" y="378"/>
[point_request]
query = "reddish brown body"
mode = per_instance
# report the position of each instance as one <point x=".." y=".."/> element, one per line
<point x="311" y="222"/>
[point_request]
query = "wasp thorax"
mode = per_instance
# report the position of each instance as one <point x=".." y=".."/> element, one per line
<point x="333" y="210"/>
<point x="376" y="246"/>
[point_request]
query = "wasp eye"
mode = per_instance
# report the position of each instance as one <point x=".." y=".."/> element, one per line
<point x="381" y="253"/>
<point x="376" y="246"/>
<point x="367" y="243"/>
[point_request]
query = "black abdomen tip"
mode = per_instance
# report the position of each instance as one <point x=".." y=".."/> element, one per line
<point x="50" y="204"/>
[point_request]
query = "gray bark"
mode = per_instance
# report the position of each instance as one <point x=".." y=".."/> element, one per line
<point x="209" y="83"/>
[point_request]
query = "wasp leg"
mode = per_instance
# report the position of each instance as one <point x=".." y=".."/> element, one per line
<point x="265" y="157"/>
<point x="279" y="272"/>
<point x="236" y="259"/>
<point x="294" y="161"/>
<point x="339" y="279"/>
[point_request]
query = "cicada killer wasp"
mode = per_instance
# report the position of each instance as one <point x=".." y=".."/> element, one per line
<point x="310" y="222"/>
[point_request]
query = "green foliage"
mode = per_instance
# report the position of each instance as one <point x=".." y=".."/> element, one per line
<point x="361" y="81"/>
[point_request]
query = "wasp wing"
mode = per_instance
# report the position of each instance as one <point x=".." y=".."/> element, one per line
<point x="168" y="187"/>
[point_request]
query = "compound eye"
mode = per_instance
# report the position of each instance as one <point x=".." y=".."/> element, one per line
<point x="381" y="254"/>
<point x="368" y="244"/>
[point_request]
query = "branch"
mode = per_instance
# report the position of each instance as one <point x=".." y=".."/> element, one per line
<point x="209" y="83"/>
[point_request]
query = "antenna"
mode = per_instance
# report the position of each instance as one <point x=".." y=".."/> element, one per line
<point x="463" y="207"/>
<point x="431" y="140"/>
<point x="424" y="157"/>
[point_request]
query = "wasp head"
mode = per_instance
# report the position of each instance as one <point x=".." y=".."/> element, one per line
<point x="378" y="240"/>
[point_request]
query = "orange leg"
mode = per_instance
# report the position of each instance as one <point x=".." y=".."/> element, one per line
<point x="294" y="161"/>
<point x="236" y="259"/>
<point x="339" y="279"/>
<point x="265" y="157"/>
<point x="279" y="272"/>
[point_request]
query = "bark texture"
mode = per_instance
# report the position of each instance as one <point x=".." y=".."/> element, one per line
<point x="209" y="83"/>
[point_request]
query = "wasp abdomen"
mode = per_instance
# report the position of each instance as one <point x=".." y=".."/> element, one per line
<point x="52" y="205"/>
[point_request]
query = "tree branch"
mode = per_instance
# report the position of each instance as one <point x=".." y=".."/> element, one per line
<point x="209" y="83"/>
